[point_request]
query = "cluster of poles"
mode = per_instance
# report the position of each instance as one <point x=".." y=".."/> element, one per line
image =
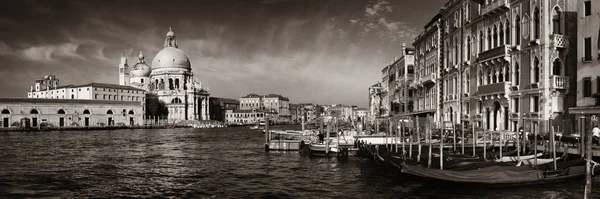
<point x="410" y="125"/>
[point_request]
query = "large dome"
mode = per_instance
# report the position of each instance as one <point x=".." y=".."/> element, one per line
<point x="140" y="70"/>
<point x="171" y="57"/>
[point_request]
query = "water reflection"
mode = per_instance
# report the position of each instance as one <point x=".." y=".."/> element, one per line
<point x="195" y="163"/>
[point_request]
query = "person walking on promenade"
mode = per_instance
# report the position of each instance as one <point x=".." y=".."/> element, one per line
<point x="596" y="134"/>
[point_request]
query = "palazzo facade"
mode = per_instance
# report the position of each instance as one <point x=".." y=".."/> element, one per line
<point x="497" y="64"/>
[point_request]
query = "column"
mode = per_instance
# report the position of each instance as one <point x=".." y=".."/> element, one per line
<point x="202" y="108"/>
<point x="485" y="119"/>
<point x="205" y="112"/>
<point x="208" y="108"/>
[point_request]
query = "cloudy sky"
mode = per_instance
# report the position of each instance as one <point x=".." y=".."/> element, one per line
<point x="321" y="51"/>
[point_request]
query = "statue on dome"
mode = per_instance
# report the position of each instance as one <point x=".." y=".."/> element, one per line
<point x="161" y="86"/>
<point x="189" y="85"/>
<point x="151" y="86"/>
<point x="197" y="84"/>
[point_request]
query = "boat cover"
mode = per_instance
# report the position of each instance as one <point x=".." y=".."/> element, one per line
<point x="488" y="175"/>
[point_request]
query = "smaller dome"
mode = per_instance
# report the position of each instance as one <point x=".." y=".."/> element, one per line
<point x="140" y="70"/>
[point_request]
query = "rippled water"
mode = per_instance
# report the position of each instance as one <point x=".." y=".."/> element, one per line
<point x="205" y="163"/>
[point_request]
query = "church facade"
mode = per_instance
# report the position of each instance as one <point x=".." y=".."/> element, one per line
<point x="170" y="77"/>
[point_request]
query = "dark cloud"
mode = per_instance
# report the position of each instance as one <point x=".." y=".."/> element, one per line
<point x="325" y="51"/>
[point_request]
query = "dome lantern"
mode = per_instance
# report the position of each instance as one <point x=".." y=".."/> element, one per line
<point x="171" y="56"/>
<point x="171" y="41"/>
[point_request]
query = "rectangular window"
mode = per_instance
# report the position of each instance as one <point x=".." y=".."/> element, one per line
<point x="535" y="103"/>
<point x="587" y="49"/>
<point x="587" y="8"/>
<point x="587" y="87"/>
<point x="516" y="103"/>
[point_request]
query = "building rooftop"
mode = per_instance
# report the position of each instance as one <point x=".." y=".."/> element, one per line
<point x="226" y="100"/>
<point x="101" y="85"/>
<point x="65" y="101"/>
<point x="251" y="111"/>
<point x="252" y="95"/>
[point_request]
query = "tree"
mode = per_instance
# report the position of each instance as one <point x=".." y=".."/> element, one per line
<point x="155" y="107"/>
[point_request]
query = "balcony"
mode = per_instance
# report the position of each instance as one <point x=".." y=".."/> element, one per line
<point x="429" y="78"/>
<point x="498" y="52"/>
<point x="560" y="82"/>
<point x="491" y="89"/>
<point x="559" y="41"/>
<point x="495" y="7"/>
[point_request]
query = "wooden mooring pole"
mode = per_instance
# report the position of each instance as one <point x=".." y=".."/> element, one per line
<point x="474" y="139"/>
<point x="418" y="140"/>
<point x="588" y="159"/>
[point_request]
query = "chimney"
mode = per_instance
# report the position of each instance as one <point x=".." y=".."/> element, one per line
<point x="403" y="49"/>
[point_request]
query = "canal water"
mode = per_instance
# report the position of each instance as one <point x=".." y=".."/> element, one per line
<point x="208" y="163"/>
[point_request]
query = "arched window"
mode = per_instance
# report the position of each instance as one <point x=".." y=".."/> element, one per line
<point x="495" y="37"/>
<point x="556" y="18"/>
<point x="86" y="111"/>
<point x="536" y="23"/>
<point x="61" y="111"/>
<point x="176" y="101"/>
<point x="156" y="83"/>
<point x="109" y="112"/>
<point x="131" y="112"/>
<point x="468" y="48"/>
<point x="481" y="41"/>
<point x="72" y="96"/>
<point x="536" y="70"/>
<point x="171" y="84"/>
<point x="489" y="39"/>
<point x="507" y="32"/>
<point x="34" y="111"/>
<point x="556" y="67"/>
<point x="5" y="111"/>
<point x="501" y="34"/>
<point x="177" y="83"/>
<point x="517" y="34"/>
<point x="142" y="81"/>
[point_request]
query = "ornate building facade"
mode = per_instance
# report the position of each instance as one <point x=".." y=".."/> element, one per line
<point x="498" y="64"/>
<point x="171" y="78"/>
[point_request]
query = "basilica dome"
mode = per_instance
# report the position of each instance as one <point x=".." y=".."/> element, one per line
<point x="171" y="57"/>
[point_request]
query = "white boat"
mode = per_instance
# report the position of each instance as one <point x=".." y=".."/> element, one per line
<point x="289" y="140"/>
<point x="321" y="148"/>
<point x="516" y="159"/>
<point x="539" y="161"/>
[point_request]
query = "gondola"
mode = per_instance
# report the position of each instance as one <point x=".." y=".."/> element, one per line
<point x="501" y="175"/>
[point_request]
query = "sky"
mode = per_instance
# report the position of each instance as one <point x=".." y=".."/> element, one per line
<point x="319" y="51"/>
